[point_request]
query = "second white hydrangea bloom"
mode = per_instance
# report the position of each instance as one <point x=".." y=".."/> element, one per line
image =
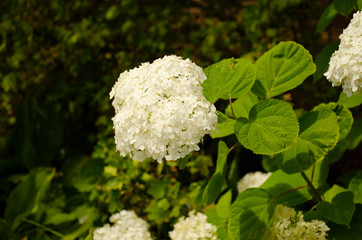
<point x="194" y="227"/>
<point x="126" y="226"/>
<point x="288" y="224"/>
<point x="161" y="112"/>
<point x="345" y="66"/>
<point x="252" y="180"/>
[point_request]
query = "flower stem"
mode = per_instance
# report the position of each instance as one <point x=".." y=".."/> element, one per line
<point x="44" y="227"/>
<point x="290" y="190"/>
<point x="310" y="184"/>
<point x="234" y="146"/>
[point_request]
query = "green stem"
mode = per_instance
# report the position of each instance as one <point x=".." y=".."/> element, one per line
<point x="44" y="227"/>
<point x="310" y="184"/>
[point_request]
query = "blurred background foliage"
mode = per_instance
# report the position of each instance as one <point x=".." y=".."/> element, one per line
<point x="61" y="176"/>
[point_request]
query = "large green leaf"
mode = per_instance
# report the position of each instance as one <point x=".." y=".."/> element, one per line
<point x="242" y="105"/>
<point x="251" y="214"/>
<point x="25" y="198"/>
<point x="322" y="60"/>
<point x="318" y="135"/>
<point x="282" y="68"/>
<point x="344" y="7"/>
<point x="340" y="210"/>
<point x="85" y="215"/>
<point x="279" y="184"/>
<point x="354" y="137"/>
<point x="219" y="215"/>
<point x="225" y="126"/>
<point x="319" y="172"/>
<point x="344" y="117"/>
<point x="228" y="78"/>
<point x="327" y="16"/>
<point x="354" y="232"/>
<point x="332" y="192"/>
<point x="355" y="185"/>
<point x="350" y="102"/>
<point x="271" y="128"/>
<point x="214" y="186"/>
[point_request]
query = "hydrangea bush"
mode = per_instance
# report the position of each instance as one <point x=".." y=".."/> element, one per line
<point x="164" y="109"/>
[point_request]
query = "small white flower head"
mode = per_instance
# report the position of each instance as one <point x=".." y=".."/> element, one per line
<point x="288" y="224"/>
<point x="126" y="226"/>
<point x="161" y="112"/>
<point x="345" y="66"/>
<point x="252" y="180"/>
<point x="194" y="227"/>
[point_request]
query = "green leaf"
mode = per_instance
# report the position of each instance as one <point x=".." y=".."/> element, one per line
<point x="322" y="60"/>
<point x="354" y="137"/>
<point x="55" y="216"/>
<point x="158" y="188"/>
<point x="25" y="198"/>
<point x="355" y="185"/>
<point x="359" y="4"/>
<point x="214" y="186"/>
<point x="350" y="102"/>
<point x="344" y="7"/>
<point x="271" y="128"/>
<point x="332" y="192"/>
<point x="242" y="105"/>
<point x="344" y="116"/>
<point x="338" y="232"/>
<point x="327" y="17"/>
<point x="319" y="171"/>
<point x="340" y="210"/>
<point x="224" y="204"/>
<point x="280" y="182"/>
<point x="318" y="135"/>
<point x="281" y="69"/>
<point x="222" y="155"/>
<point x="219" y="214"/>
<point x="228" y="78"/>
<point x="251" y="214"/>
<point x="336" y="153"/>
<point x="182" y="162"/>
<point x="225" y="126"/>
<point x="86" y="215"/>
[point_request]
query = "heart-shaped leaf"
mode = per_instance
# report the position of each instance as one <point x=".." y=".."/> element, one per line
<point x="318" y="134"/>
<point x="281" y="69"/>
<point x="229" y="78"/>
<point x="271" y="127"/>
<point x="251" y="214"/>
<point x="340" y="210"/>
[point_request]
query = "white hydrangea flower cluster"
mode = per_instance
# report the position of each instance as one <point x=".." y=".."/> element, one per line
<point x="194" y="227"/>
<point x="252" y="180"/>
<point x="345" y="66"/>
<point x="126" y="226"/>
<point x="288" y="224"/>
<point x="161" y="112"/>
